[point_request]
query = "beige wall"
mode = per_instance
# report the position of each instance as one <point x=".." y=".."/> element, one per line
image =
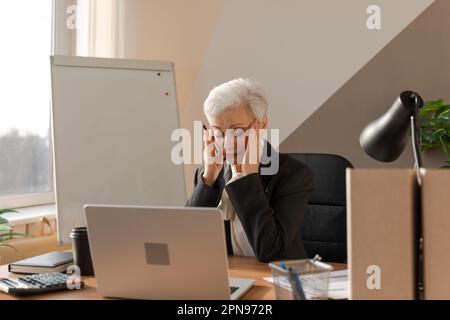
<point x="178" y="31"/>
<point x="417" y="59"/>
<point x="301" y="51"/>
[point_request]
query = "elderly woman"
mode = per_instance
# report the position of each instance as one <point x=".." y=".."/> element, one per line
<point x="262" y="214"/>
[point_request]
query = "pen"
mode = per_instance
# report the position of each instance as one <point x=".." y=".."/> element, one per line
<point x="294" y="279"/>
<point x="215" y="145"/>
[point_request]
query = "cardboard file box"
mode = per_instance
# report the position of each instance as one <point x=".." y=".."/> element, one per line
<point x="436" y="233"/>
<point x="382" y="233"/>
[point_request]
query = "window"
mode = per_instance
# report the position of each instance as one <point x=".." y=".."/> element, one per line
<point x="25" y="46"/>
<point x="25" y="145"/>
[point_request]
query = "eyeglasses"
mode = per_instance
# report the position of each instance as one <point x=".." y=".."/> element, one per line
<point x="230" y="133"/>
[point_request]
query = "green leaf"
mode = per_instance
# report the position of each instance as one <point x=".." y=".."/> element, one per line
<point x="432" y="107"/>
<point x="7" y="245"/>
<point x="444" y="116"/>
<point x="425" y="147"/>
<point x="442" y="109"/>
<point x="5" y="227"/>
<point x="434" y="122"/>
<point x="2" y="211"/>
<point x="426" y="111"/>
<point x="14" y="234"/>
<point x="439" y="132"/>
<point x="428" y="138"/>
<point x="427" y="123"/>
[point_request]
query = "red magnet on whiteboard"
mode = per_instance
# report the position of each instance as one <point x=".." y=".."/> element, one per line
<point x="166" y="93"/>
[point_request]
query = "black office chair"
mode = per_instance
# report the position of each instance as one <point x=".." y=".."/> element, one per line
<point x="324" y="229"/>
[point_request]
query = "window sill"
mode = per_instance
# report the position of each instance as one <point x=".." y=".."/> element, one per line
<point x="30" y="215"/>
<point x="27" y="200"/>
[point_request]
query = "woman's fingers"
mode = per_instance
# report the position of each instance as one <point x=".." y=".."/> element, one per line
<point x="251" y="153"/>
<point x="251" y="156"/>
<point x="213" y="149"/>
<point x="208" y="138"/>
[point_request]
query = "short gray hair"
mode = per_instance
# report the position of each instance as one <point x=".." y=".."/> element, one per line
<point x="234" y="93"/>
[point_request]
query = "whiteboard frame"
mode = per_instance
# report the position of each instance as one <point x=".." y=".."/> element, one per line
<point x="94" y="62"/>
<point x="88" y="62"/>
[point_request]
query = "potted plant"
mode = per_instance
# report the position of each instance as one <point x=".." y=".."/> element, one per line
<point x="434" y="121"/>
<point x="6" y="232"/>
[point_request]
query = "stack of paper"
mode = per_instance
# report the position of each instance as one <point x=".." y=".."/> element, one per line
<point x="338" y="287"/>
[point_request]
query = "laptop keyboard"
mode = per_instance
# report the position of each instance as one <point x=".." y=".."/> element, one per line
<point x="233" y="289"/>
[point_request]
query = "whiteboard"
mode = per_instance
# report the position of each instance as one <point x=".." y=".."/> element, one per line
<point x="112" y="120"/>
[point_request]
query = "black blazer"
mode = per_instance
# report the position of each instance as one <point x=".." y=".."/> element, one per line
<point x="271" y="207"/>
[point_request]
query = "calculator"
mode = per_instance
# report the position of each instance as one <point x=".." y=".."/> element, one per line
<point x="39" y="283"/>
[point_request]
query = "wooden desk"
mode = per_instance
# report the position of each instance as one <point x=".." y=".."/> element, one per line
<point x="241" y="267"/>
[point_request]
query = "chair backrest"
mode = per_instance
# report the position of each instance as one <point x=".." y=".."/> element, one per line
<point x="324" y="229"/>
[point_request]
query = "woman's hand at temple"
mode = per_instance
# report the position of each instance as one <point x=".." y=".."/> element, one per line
<point x="253" y="152"/>
<point x="211" y="157"/>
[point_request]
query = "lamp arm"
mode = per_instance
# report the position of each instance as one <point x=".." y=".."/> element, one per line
<point x="416" y="138"/>
<point x="415" y="134"/>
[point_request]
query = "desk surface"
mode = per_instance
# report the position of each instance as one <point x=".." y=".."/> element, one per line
<point x="242" y="267"/>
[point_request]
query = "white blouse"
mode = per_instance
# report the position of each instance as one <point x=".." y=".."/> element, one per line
<point x="239" y="240"/>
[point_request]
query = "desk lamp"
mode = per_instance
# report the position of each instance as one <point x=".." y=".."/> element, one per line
<point x="385" y="138"/>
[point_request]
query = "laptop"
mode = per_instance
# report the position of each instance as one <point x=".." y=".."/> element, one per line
<point x="141" y="252"/>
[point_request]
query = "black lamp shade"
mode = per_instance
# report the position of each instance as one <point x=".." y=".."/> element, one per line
<point x="385" y="138"/>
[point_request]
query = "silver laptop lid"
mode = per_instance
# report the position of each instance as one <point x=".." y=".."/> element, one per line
<point x="158" y="252"/>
